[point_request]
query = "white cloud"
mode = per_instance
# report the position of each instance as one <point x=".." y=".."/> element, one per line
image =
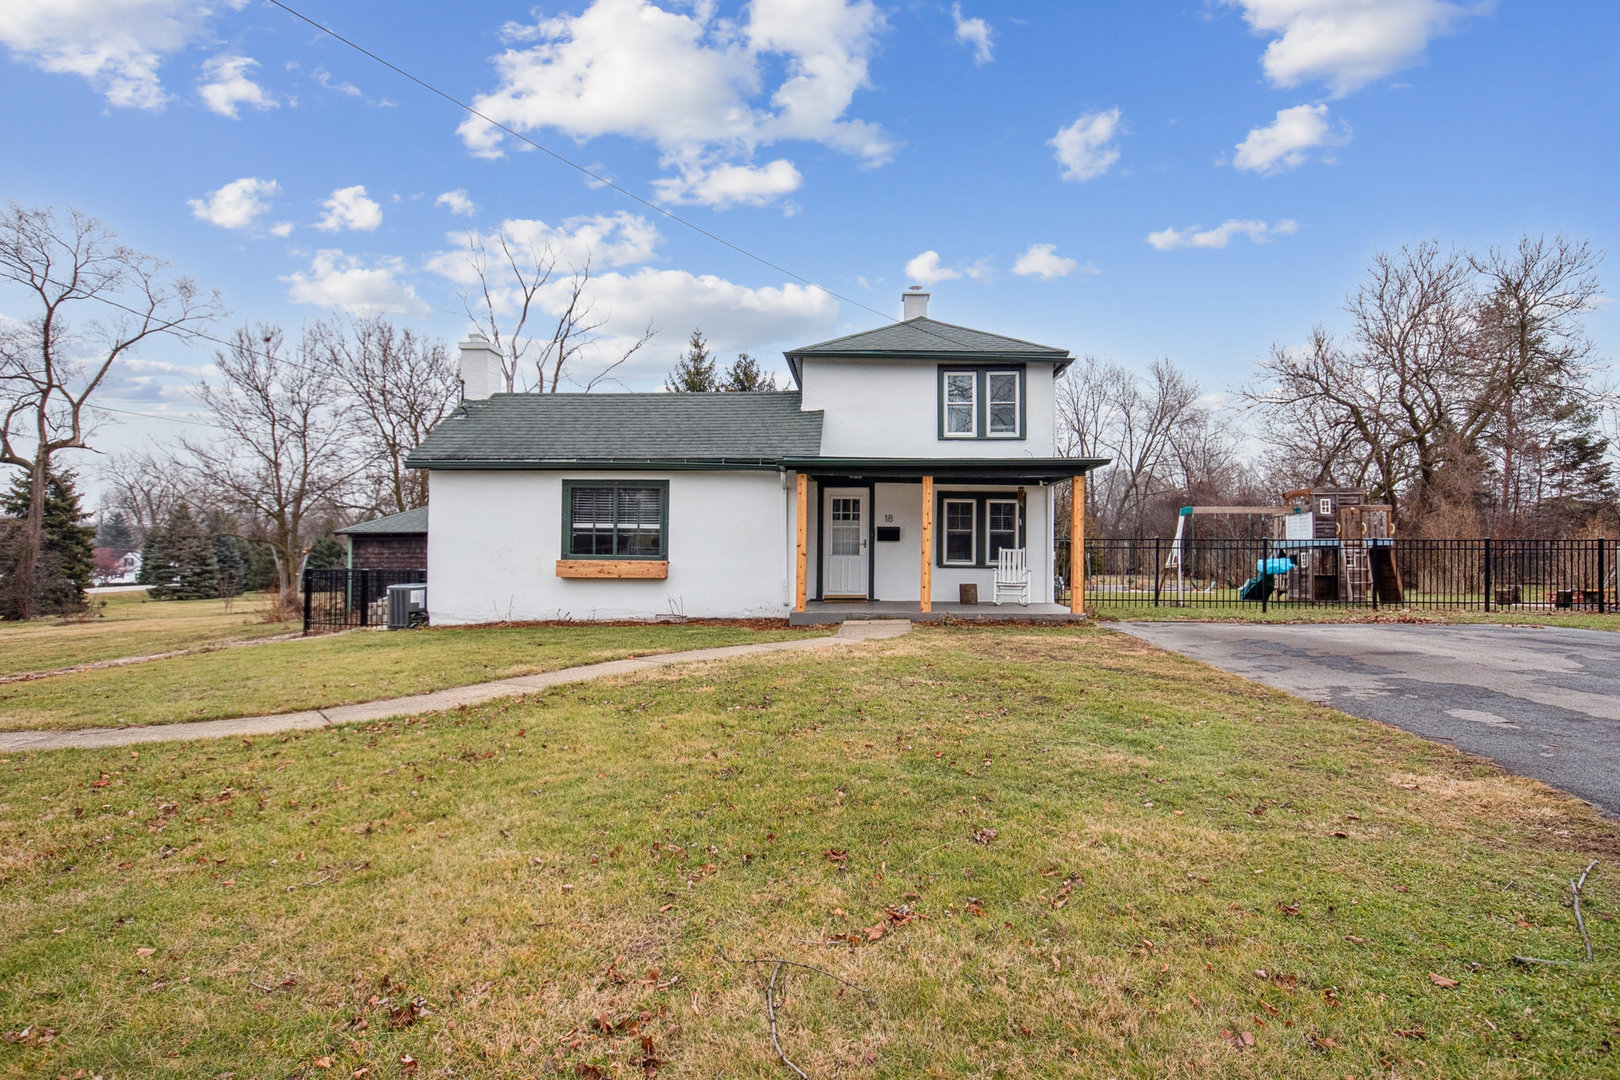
<point x="281" y="228"/>
<point x="701" y="88"/>
<point x="976" y="33"/>
<point x="1043" y="261"/>
<point x="733" y="317"/>
<point x="1346" y="43"/>
<point x="601" y="240"/>
<point x="924" y="269"/>
<point x="226" y="86"/>
<point x="117" y="45"/>
<point x="730" y="185"/>
<point x="237" y="205"/>
<point x="1284" y="143"/>
<point x="458" y="202"/>
<point x="1086" y="147"/>
<point x="345" y="281"/>
<point x="1198" y="237"/>
<point x="348" y="208"/>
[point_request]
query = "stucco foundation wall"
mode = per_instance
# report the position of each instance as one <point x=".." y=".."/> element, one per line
<point x="497" y="537"/>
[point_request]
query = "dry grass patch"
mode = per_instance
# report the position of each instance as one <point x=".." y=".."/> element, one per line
<point x="339" y="669"/>
<point x="1043" y="853"/>
<point x="128" y="624"/>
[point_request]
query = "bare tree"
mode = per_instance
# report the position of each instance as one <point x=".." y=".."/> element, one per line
<point x="146" y="485"/>
<point x="521" y="282"/>
<point x="1139" y="423"/>
<point x="283" y="459"/>
<point x="50" y="367"/>
<point x="1448" y="356"/>
<point x="399" y="385"/>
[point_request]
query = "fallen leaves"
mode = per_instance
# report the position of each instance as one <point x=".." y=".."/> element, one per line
<point x="1238" y="1040"/>
<point x="1443" y="982"/>
<point x="984" y="836"/>
<point x="29" y="1036"/>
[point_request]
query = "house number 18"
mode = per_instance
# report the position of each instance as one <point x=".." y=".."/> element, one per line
<point x="888" y="519"/>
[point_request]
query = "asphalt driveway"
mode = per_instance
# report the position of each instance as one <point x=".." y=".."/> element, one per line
<point x="1541" y="702"/>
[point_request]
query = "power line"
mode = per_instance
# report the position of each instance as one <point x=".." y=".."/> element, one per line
<point x="595" y="177"/>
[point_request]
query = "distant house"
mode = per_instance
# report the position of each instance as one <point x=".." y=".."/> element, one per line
<point x="395" y="542"/>
<point x="902" y="465"/>
<point x="112" y="568"/>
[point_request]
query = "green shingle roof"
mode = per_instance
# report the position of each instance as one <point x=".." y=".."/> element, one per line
<point x="411" y="521"/>
<point x="925" y="337"/>
<point x="694" y="430"/>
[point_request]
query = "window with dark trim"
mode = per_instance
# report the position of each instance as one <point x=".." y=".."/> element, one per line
<point x="960" y="546"/>
<point x="1001" y="527"/>
<point x="981" y="402"/>
<point x="973" y="527"/>
<point x="615" y="519"/>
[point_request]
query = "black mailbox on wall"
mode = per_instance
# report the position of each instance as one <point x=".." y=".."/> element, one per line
<point x="888" y="533"/>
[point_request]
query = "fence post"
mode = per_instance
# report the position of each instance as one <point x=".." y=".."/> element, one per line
<point x="1157" y="576"/>
<point x="365" y="596"/>
<point x="1487" y="574"/>
<point x="307" y="574"/>
<point x="1603" y="580"/>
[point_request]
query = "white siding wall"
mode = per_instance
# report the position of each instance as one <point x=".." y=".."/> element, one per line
<point x="497" y="537"/>
<point x="891" y="409"/>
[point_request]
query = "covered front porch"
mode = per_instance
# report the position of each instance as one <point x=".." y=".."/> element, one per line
<point x="915" y="538"/>
<point x="834" y="612"/>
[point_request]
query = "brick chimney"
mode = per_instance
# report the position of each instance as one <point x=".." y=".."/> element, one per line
<point x="913" y="303"/>
<point x="481" y="373"/>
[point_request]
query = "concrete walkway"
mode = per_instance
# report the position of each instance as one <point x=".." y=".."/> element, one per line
<point x="438" y="701"/>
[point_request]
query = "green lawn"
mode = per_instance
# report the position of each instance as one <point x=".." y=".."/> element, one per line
<point x="1059" y="852"/>
<point x="131" y="625"/>
<point x="337" y="669"/>
<point x="1196" y="612"/>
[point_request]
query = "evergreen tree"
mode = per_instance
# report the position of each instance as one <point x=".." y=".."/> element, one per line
<point x="694" y="372"/>
<point x="115" y="533"/>
<point x="66" y="557"/>
<point x="327" y="553"/>
<point x="190" y="554"/>
<point x="229" y="552"/>
<point x="156" y="569"/>
<point x="745" y="375"/>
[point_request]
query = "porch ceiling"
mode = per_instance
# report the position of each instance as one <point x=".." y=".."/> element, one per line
<point x="1008" y="469"/>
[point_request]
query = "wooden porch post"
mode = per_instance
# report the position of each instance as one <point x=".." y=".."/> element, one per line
<point x="801" y="561"/>
<point x="1077" y="545"/>
<point x="925" y="600"/>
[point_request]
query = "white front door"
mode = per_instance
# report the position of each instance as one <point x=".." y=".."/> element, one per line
<point x="844" y="515"/>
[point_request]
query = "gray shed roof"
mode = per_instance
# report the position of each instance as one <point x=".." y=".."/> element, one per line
<point x="925" y="337"/>
<point x="746" y="430"/>
<point x="411" y="521"/>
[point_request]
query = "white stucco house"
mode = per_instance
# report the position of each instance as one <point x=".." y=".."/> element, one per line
<point x="903" y="462"/>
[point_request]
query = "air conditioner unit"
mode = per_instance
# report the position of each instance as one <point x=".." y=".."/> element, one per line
<point x="407" y="606"/>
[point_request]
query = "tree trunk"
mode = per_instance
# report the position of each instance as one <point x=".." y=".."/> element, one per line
<point x="33" y="541"/>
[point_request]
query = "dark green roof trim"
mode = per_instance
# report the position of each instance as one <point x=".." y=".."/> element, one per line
<point x="602" y="464"/>
<point x="619" y="430"/>
<point x="408" y="523"/>
<point x="1007" y="468"/>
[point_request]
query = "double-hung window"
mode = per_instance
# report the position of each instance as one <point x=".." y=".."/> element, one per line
<point x="959" y="548"/>
<point x="961" y="404"/>
<point x="1003" y="403"/>
<point x="616" y="519"/>
<point x="1001" y="526"/>
<point x="981" y="403"/>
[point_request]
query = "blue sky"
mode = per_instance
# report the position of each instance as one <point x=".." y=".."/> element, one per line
<point x="1197" y="179"/>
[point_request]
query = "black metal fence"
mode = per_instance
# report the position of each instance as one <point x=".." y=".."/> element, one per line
<point x="1467" y="575"/>
<point x="340" y="599"/>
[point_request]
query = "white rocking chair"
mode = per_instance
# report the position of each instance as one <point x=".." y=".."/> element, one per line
<point x="1012" y="575"/>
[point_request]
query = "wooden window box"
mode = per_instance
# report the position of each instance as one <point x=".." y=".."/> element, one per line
<point x="644" y="569"/>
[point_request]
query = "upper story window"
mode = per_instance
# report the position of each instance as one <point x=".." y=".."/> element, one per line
<point x="981" y="403"/>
